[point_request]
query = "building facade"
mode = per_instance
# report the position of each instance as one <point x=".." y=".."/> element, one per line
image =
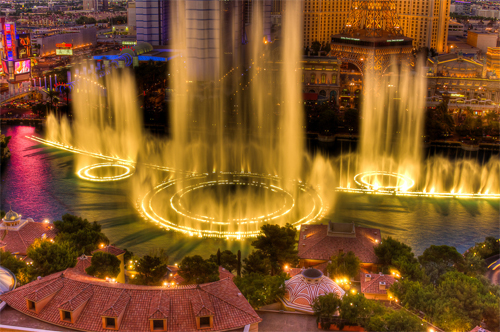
<point x="425" y="21"/>
<point x="152" y="21"/>
<point x="321" y="75"/>
<point x="131" y="13"/>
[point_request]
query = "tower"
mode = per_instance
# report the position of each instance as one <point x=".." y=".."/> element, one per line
<point x="371" y="36"/>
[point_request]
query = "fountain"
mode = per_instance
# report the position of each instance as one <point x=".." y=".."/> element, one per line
<point x="235" y="158"/>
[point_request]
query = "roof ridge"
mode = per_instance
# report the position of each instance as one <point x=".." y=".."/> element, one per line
<point x="229" y="279"/>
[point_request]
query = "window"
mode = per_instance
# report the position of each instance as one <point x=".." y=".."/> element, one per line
<point x="110" y="323"/>
<point x="313" y="78"/>
<point x="323" y="78"/>
<point x="31" y="305"/>
<point x="67" y="316"/>
<point x="204" y="322"/>
<point x="158" y="325"/>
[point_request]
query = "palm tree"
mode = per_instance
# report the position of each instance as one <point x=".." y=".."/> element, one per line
<point x="54" y="97"/>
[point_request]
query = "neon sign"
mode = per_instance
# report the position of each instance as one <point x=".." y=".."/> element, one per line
<point x="395" y="40"/>
<point x="349" y="38"/>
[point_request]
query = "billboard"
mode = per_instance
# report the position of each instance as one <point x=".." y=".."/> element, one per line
<point x="22" y="67"/>
<point x="24" y="49"/>
<point x="64" y="51"/>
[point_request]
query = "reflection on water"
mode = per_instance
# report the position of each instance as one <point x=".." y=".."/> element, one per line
<point x="40" y="183"/>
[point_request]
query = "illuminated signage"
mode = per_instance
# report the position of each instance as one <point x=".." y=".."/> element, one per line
<point x="129" y="42"/>
<point x="64" y="51"/>
<point x="395" y="40"/>
<point x="456" y="95"/>
<point x="64" y="45"/>
<point x="22" y="67"/>
<point x="357" y="39"/>
<point x="24" y="46"/>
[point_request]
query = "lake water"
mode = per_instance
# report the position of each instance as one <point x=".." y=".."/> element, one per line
<point x="40" y="182"/>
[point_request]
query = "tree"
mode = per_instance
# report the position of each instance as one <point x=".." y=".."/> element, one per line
<point x="325" y="307"/>
<point x="228" y="260"/>
<point x="50" y="257"/>
<point x="394" y="253"/>
<point x="238" y="267"/>
<point x="261" y="289"/>
<point x="316" y="46"/>
<point x="104" y="265"/>
<point x="196" y="270"/>
<point x="150" y="271"/>
<point x="460" y="303"/>
<point x="82" y="234"/>
<point x="327" y="122"/>
<point x="472" y="265"/>
<point x="343" y="265"/>
<point x="399" y="320"/>
<point x="351" y="119"/>
<point x="10" y="262"/>
<point x="437" y="260"/>
<point x="277" y="244"/>
<point x="355" y="309"/>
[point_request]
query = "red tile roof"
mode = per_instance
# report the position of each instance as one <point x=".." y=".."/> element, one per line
<point x="159" y="307"/>
<point x="42" y="292"/>
<point x="318" y="245"/>
<point x="372" y="286"/>
<point x="230" y="309"/>
<point x="82" y="263"/>
<point x="78" y="299"/>
<point x="110" y="250"/>
<point x="19" y="241"/>
<point x="116" y="305"/>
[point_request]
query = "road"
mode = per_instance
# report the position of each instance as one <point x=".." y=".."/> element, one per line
<point x="493" y="273"/>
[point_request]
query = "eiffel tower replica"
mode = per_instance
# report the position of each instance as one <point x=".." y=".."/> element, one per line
<point x="371" y="37"/>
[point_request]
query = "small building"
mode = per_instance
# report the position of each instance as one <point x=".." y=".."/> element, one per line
<point x="318" y="243"/>
<point x="455" y="28"/>
<point x="78" y="302"/>
<point x="493" y="60"/>
<point x="303" y="288"/>
<point x="173" y="277"/>
<point x="375" y="286"/>
<point x="120" y="254"/>
<point x="482" y="40"/>
<point x="321" y="76"/>
<point x="18" y="234"/>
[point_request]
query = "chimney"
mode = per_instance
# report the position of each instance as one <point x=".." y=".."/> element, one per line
<point x="368" y="277"/>
<point x="38" y="278"/>
<point x="381" y="285"/>
<point x="380" y="274"/>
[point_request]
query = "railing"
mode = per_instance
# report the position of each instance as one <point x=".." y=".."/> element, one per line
<point x="9" y="96"/>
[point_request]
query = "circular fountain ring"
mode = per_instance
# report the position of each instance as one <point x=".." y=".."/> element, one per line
<point x="86" y="172"/>
<point x="403" y="182"/>
<point x="305" y="207"/>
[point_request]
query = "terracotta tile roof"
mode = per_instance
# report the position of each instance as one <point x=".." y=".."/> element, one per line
<point x="231" y="310"/>
<point x="159" y="306"/>
<point x="372" y="286"/>
<point x="314" y="243"/>
<point x="201" y="304"/>
<point x="20" y="240"/>
<point x="82" y="263"/>
<point x="42" y="292"/>
<point x="223" y="273"/>
<point x="78" y="299"/>
<point x="110" y="250"/>
<point x="117" y="304"/>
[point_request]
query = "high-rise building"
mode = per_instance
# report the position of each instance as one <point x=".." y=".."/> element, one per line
<point x="152" y="19"/>
<point x="323" y="18"/>
<point x="95" y="5"/>
<point x="425" y="21"/>
<point x="131" y="14"/>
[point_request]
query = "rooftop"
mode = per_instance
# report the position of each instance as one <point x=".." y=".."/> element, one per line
<point x="110" y="250"/>
<point x="316" y="243"/>
<point x="136" y="304"/>
<point x="371" y="285"/>
<point x="17" y="240"/>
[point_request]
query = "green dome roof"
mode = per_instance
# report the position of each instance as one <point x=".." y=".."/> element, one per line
<point x="11" y="216"/>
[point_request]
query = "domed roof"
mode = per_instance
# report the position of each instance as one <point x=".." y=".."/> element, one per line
<point x="11" y="216"/>
<point x="303" y="288"/>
